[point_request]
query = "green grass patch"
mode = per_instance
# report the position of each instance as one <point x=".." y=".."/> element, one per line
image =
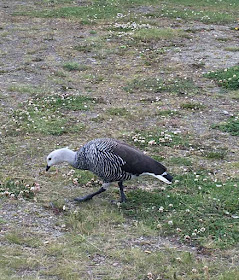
<point x="156" y="85"/>
<point x="232" y="49"/>
<point x="37" y="122"/>
<point x="22" y="239"/>
<point x="180" y="161"/>
<point x="60" y="74"/>
<point x="74" y="66"/>
<point x="205" y="16"/>
<point x="65" y="102"/>
<point x="16" y="189"/>
<point x="50" y="115"/>
<point x="117" y="111"/>
<point x="88" y="14"/>
<point x="227" y="78"/>
<point x="216" y="154"/>
<point x="194" y="208"/>
<point x="84" y="48"/>
<point x="25" y="88"/>
<point x="192" y="106"/>
<point x="231" y="126"/>
<point x="151" y="34"/>
<point x="166" y="113"/>
<point x="159" y="138"/>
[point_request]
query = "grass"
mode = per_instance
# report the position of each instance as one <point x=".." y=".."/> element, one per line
<point x="36" y="122"/>
<point x="180" y="161"/>
<point x="88" y="14"/>
<point x="231" y="126"/>
<point x="152" y="34"/>
<point x="204" y="11"/>
<point x="192" y="106"/>
<point x="155" y="85"/>
<point x="48" y="115"/>
<point x="217" y="154"/>
<point x="204" y="16"/>
<point x="165" y="113"/>
<point x="18" y="189"/>
<point x="158" y="138"/>
<point x="26" y="88"/>
<point x="65" y="102"/>
<point x="232" y="49"/>
<point x="195" y="210"/>
<point x="16" y="237"/>
<point x="112" y="69"/>
<point x="118" y="111"/>
<point x="226" y="78"/>
<point x="74" y="66"/>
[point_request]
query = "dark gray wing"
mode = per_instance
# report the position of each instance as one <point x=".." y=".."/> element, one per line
<point x="137" y="162"/>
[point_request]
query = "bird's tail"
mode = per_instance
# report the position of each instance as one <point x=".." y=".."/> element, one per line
<point x="165" y="177"/>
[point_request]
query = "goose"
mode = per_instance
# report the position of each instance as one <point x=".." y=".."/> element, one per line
<point x="112" y="161"/>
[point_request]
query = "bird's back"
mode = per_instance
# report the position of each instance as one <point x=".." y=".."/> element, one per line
<point x="98" y="156"/>
<point x="113" y="160"/>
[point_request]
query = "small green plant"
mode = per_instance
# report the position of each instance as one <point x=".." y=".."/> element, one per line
<point x="227" y="78"/>
<point x="118" y="111"/>
<point x="15" y="189"/>
<point x="84" y="48"/>
<point x="217" y="154"/>
<point x="60" y="74"/>
<point x="231" y="126"/>
<point x="74" y="66"/>
<point x="166" y="113"/>
<point x="192" y="106"/>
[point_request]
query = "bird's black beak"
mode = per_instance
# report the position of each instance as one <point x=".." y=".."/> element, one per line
<point x="47" y="167"/>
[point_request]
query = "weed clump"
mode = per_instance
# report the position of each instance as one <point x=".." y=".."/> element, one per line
<point x="156" y="85"/>
<point x="74" y="66"/>
<point x="192" y="106"/>
<point x="231" y="126"/>
<point x="227" y="78"/>
<point x="159" y="138"/>
<point x="15" y="189"/>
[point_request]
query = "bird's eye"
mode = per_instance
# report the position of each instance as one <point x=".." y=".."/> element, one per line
<point x="49" y="159"/>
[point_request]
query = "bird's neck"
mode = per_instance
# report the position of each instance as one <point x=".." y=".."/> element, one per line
<point x="69" y="156"/>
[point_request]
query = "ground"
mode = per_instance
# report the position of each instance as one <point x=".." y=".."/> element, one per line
<point x="141" y="72"/>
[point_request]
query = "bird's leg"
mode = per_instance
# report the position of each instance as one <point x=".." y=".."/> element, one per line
<point x="122" y="195"/>
<point x="90" y="196"/>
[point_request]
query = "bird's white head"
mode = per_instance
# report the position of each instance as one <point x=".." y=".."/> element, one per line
<point x="59" y="156"/>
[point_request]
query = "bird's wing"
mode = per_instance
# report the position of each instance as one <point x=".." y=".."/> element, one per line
<point x="136" y="162"/>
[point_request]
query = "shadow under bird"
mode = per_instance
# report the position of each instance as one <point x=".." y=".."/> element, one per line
<point x="112" y="161"/>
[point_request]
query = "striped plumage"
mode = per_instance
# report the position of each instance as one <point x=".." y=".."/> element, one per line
<point x="112" y="161"/>
<point x="99" y="157"/>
